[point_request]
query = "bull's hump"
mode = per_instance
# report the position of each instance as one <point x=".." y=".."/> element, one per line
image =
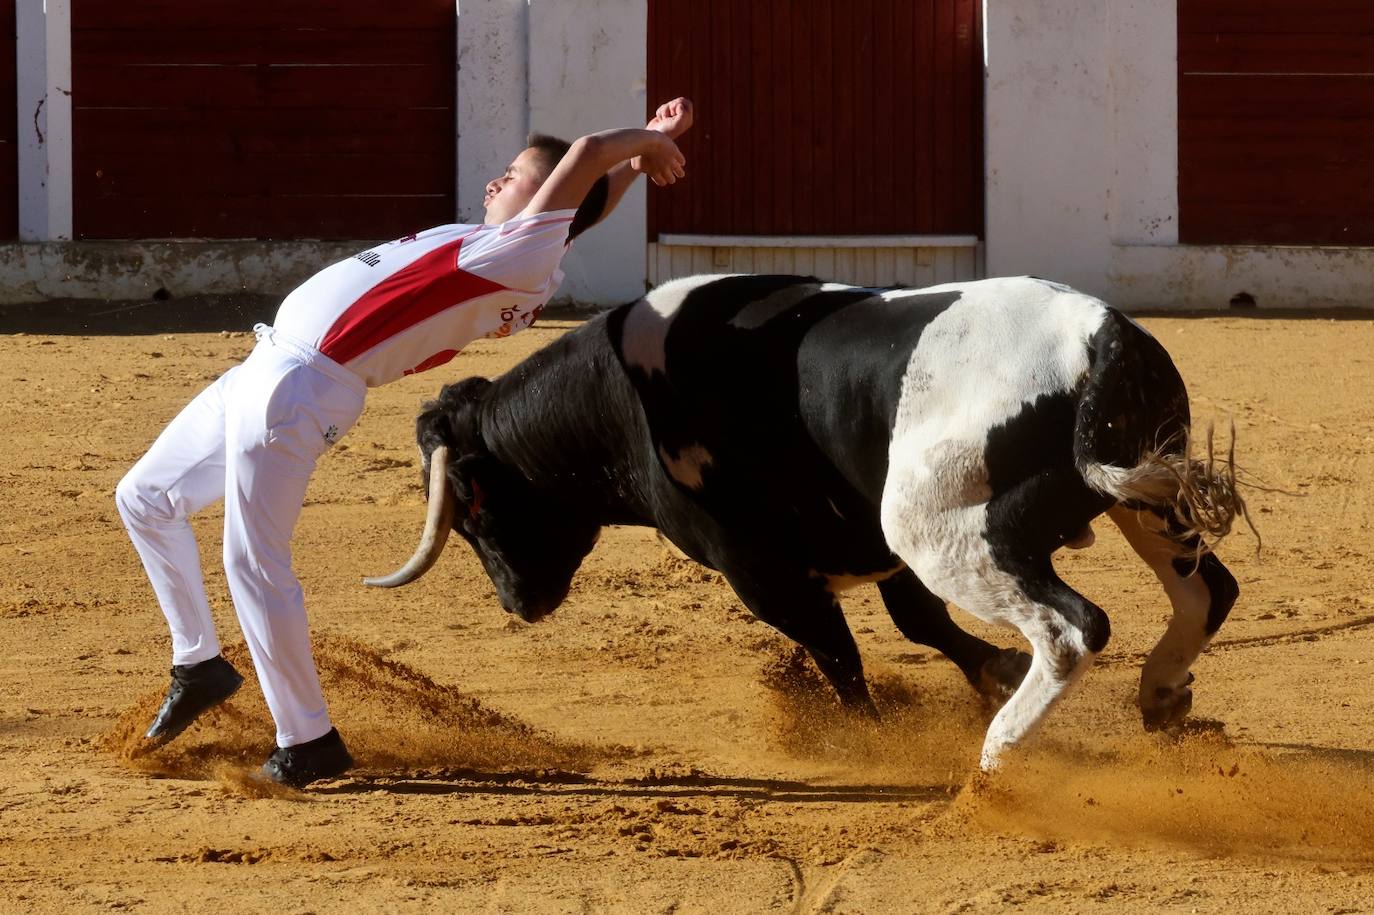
<point x="645" y="332"/>
<point x="714" y="304"/>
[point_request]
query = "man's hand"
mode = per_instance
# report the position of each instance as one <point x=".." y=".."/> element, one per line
<point x="664" y="164"/>
<point x="673" y="118"/>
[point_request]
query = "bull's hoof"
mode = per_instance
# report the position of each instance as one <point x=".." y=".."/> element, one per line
<point x="1170" y="706"/>
<point x="1082" y="540"/>
<point x="864" y="712"/>
<point x="983" y="784"/>
<point x="1002" y="674"/>
<point x="858" y="703"/>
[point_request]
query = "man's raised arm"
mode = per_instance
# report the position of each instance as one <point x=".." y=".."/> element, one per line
<point x="594" y="155"/>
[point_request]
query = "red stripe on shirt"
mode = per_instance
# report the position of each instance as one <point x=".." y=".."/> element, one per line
<point x="416" y="292"/>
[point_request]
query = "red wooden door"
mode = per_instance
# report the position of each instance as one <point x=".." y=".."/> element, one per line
<point x="9" y="129"/>
<point x="823" y="117"/>
<point x="1276" y="122"/>
<point x="262" y="119"/>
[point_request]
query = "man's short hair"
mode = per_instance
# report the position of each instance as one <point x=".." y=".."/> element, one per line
<point x="551" y="152"/>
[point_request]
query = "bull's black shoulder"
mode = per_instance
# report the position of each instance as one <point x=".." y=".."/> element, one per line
<point x="780" y="393"/>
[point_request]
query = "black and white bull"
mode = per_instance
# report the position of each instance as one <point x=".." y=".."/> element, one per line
<point x="802" y="437"/>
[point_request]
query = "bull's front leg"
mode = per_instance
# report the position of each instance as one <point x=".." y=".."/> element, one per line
<point x="800" y="607"/>
<point x="1202" y="592"/>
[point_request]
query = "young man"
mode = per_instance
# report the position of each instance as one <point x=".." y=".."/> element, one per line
<point x="253" y="437"/>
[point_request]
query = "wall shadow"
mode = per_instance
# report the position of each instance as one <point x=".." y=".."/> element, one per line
<point x="103" y="317"/>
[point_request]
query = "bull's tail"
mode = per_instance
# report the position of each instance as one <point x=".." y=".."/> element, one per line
<point x="1199" y="496"/>
<point x="1133" y="439"/>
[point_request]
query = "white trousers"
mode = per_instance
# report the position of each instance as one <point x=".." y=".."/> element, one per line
<point x="252" y="438"/>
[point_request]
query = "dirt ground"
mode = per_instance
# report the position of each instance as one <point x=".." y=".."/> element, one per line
<point x="649" y="747"/>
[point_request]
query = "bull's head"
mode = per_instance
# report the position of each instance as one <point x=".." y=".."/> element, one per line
<point x="529" y="540"/>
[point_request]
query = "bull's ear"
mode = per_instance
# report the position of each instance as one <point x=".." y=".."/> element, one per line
<point x="467" y="477"/>
<point x="461" y="474"/>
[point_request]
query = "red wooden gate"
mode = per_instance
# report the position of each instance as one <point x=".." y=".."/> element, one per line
<point x="823" y="117"/>
<point x="261" y="118"/>
<point x="1276" y="122"/>
<point x="9" y="130"/>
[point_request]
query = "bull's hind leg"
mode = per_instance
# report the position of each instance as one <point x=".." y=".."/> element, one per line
<point x="993" y="559"/>
<point x="1066" y="632"/>
<point x="801" y="608"/>
<point x="1201" y="591"/>
<point x="924" y="618"/>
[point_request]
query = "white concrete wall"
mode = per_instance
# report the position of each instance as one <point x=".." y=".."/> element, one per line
<point x="562" y="67"/>
<point x="1047" y="141"/>
<point x="43" y="68"/>
<point x="1082" y="164"/>
<point x="493" y="95"/>
<point x="588" y="67"/>
<point x="1142" y="193"/>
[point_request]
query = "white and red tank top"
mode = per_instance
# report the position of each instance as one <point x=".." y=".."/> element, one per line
<point x="411" y="304"/>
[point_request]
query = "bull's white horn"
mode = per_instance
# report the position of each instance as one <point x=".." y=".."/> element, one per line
<point x="438" y="523"/>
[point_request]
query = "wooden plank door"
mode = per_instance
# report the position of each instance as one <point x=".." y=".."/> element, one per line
<point x="823" y="117"/>
<point x="262" y="119"/>
<point x="1276" y="122"/>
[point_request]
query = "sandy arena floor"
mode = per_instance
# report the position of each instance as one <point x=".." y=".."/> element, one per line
<point x="648" y="748"/>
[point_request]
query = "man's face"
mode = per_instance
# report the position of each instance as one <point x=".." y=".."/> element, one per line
<point x="509" y="194"/>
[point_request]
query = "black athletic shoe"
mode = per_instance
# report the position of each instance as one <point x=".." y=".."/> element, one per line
<point x="195" y="688"/>
<point x="298" y="766"/>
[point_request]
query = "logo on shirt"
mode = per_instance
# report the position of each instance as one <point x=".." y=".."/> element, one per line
<point x="371" y="258"/>
<point x="331" y="434"/>
<point x="513" y="320"/>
